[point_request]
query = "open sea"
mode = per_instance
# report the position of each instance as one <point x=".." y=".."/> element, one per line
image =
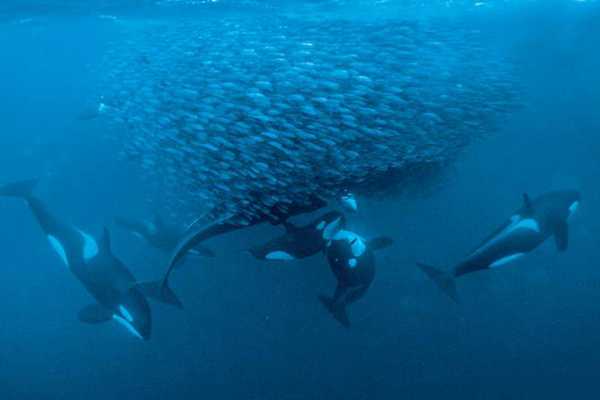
<point x="423" y="121"/>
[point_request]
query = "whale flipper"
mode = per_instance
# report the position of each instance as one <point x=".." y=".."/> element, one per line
<point x="379" y="243"/>
<point x="22" y="189"/>
<point x="444" y="280"/>
<point x="94" y="314"/>
<point x="161" y="292"/>
<point x="337" y="309"/>
<point x="561" y="236"/>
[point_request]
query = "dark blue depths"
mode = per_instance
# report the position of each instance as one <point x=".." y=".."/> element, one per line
<point x="256" y="330"/>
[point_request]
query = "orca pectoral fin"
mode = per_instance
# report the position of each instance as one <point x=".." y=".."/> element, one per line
<point x="94" y="314"/>
<point x="561" y="236"/>
<point x="379" y="243"/>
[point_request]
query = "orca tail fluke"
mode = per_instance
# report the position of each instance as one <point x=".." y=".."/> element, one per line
<point x="21" y="189"/>
<point x="161" y="292"/>
<point x="338" y="311"/>
<point x="443" y="280"/>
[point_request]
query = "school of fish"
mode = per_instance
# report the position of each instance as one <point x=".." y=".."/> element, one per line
<point x="236" y="115"/>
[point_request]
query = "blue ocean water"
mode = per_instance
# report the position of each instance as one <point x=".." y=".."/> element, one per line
<point x="256" y="330"/>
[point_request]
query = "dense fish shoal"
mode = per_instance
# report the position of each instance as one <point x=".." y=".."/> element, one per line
<point x="236" y="115"/>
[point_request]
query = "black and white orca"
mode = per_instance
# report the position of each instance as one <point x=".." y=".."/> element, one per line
<point x="91" y="261"/>
<point x="198" y="233"/>
<point x="159" y="235"/>
<point x="298" y="241"/>
<point x="352" y="261"/>
<point x="524" y="231"/>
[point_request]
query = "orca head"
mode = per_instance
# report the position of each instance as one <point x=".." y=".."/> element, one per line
<point x="348" y="251"/>
<point x="339" y="254"/>
<point x="349" y="202"/>
<point x="133" y="313"/>
<point x="355" y="245"/>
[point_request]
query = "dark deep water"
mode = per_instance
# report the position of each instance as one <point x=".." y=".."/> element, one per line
<point x="256" y="331"/>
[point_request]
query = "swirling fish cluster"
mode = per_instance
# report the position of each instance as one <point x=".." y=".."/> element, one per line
<point x="245" y="114"/>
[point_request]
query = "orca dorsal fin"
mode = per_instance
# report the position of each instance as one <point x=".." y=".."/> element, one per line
<point x="105" y="241"/>
<point x="527" y="202"/>
<point x="561" y="236"/>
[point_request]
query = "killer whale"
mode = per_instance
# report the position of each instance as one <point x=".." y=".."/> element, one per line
<point x="523" y="232"/>
<point x="297" y="242"/>
<point x="352" y="261"/>
<point x="158" y="234"/>
<point x="92" y="262"/>
<point x="197" y="233"/>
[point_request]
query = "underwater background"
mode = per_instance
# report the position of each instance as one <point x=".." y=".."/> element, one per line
<point x="255" y="330"/>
